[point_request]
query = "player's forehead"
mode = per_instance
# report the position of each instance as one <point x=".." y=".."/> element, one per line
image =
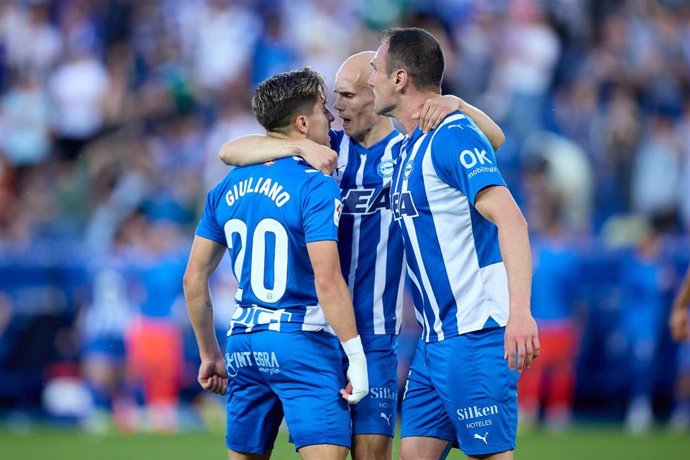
<point x="380" y="56"/>
<point x="346" y="82"/>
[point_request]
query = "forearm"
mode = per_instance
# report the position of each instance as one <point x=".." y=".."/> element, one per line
<point x="334" y="298"/>
<point x="200" y="310"/>
<point x="682" y="299"/>
<point x="255" y="148"/>
<point x="513" y="240"/>
<point x="492" y="131"/>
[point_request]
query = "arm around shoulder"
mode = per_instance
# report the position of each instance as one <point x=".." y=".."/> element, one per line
<point x="484" y="122"/>
<point x="257" y="148"/>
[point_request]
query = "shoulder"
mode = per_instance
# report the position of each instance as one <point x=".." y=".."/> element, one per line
<point x="457" y="127"/>
<point x="300" y="173"/>
<point x="458" y="133"/>
<point x="396" y="139"/>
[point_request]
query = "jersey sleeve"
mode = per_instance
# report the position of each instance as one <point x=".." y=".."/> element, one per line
<point x="208" y="226"/>
<point x="465" y="160"/>
<point x="321" y="210"/>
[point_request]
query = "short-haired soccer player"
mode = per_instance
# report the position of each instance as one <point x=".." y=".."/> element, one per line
<point x="279" y="221"/>
<point x="468" y="255"/>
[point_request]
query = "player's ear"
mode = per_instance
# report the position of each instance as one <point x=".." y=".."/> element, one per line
<point x="401" y="79"/>
<point x="301" y="124"/>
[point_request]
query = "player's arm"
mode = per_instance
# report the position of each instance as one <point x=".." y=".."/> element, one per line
<point x="496" y="204"/>
<point x="203" y="261"/>
<point x="256" y="148"/>
<point x="435" y="110"/>
<point x="678" y="321"/>
<point x="334" y="298"/>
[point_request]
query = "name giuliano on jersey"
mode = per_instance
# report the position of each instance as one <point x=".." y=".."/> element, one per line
<point x="266" y="214"/>
<point x="370" y="242"/>
<point x="454" y="262"/>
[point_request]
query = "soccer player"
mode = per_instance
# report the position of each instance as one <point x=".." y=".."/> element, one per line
<point x="468" y="257"/>
<point x="370" y="243"/>
<point x="679" y="326"/>
<point x="279" y="221"/>
<point x="678" y="321"/>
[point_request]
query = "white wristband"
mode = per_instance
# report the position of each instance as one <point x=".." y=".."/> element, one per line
<point x="353" y="346"/>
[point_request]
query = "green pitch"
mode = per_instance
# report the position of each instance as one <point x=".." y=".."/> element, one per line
<point x="583" y="443"/>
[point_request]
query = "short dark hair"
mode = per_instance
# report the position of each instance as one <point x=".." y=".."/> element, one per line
<point x="280" y="98"/>
<point x="416" y="51"/>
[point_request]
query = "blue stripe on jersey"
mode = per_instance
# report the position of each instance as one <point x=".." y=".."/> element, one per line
<point x="370" y="243"/>
<point x="485" y="237"/>
<point x="452" y="251"/>
<point x="266" y="214"/>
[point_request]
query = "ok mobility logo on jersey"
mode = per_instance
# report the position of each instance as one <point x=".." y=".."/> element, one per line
<point x="264" y="361"/>
<point x="476" y="159"/>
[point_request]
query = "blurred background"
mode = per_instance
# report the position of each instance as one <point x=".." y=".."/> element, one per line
<point x="111" y="116"/>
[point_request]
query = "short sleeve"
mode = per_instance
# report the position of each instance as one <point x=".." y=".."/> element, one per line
<point x="464" y="159"/>
<point x="208" y="226"/>
<point x="321" y="210"/>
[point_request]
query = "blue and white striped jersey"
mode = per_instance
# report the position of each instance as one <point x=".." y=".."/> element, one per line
<point x="454" y="261"/>
<point x="266" y="214"/>
<point x="370" y="242"/>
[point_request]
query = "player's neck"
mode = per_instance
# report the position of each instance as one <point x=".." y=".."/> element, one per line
<point x="292" y="135"/>
<point x="378" y="132"/>
<point x="412" y="104"/>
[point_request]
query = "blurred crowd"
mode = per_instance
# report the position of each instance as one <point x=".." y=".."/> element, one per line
<point x="112" y="113"/>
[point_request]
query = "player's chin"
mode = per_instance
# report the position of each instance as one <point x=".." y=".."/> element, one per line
<point x="349" y="130"/>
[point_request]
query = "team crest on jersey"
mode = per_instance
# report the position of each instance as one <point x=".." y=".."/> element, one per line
<point x="337" y="211"/>
<point x="385" y="168"/>
<point x="408" y="170"/>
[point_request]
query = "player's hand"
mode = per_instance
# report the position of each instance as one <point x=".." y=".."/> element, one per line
<point x="521" y="343"/>
<point x="318" y="156"/>
<point x="435" y="110"/>
<point x="212" y="376"/>
<point x="357" y="374"/>
<point x="678" y="324"/>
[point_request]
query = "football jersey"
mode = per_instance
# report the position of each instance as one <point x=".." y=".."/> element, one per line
<point x="454" y="261"/>
<point x="266" y="214"/>
<point x="370" y="242"/>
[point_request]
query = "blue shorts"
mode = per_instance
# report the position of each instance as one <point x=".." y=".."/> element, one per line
<point x="462" y="389"/>
<point x="110" y="348"/>
<point x="376" y="413"/>
<point x="297" y="375"/>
